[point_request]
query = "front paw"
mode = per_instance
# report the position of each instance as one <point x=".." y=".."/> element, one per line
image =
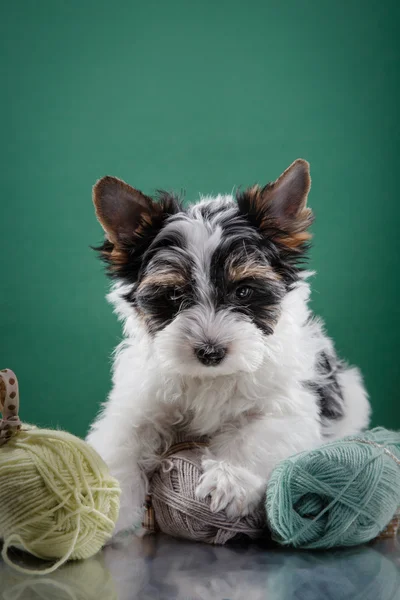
<point x="233" y="489"/>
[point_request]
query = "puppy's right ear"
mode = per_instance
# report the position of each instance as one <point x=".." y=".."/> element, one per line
<point x="122" y="210"/>
<point x="131" y="221"/>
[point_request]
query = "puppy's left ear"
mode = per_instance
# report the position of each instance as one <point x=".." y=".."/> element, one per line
<point x="279" y="209"/>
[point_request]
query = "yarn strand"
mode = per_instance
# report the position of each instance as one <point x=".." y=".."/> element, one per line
<point x="16" y="539"/>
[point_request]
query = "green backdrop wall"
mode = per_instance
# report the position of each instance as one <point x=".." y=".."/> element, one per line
<point x="201" y="96"/>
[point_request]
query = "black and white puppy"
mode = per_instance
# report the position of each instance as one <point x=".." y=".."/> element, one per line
<point x="219" y="340"/>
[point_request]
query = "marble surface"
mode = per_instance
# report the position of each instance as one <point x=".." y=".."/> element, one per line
<point x="161" y="568"/>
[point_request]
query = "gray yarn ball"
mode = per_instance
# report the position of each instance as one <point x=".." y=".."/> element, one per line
<point x="178" y="512"/>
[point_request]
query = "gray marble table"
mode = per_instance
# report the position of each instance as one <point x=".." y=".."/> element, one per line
<point x="161" y="568"/>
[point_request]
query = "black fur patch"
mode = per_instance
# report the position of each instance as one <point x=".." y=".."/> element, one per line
<point x="159" y="307"/>
<point x="161" y="302"/>
<point x="243" y="244"/>
<point x="329" y="393"/>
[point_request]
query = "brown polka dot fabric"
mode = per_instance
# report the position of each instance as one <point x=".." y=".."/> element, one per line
<point x="2" y="392"/>
<point x="9" y="405"/>
<point x="392" y="529"/>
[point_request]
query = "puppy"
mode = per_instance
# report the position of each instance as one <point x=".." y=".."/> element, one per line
<point x="219" y="340"/>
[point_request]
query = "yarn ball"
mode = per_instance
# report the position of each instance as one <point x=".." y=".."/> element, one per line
<point x="341" y="494"/>
<point x="57" y="498"/>
<point x="180" y="514"/>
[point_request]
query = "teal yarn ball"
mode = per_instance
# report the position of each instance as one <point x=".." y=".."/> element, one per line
<point x="341" y="494"/>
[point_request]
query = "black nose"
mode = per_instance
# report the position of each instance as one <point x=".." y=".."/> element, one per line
<point x="210" y="355"/>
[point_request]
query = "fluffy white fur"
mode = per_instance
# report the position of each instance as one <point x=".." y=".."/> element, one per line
<point x="254" y="406"/>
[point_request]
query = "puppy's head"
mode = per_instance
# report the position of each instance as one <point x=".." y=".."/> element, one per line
<point x="207" y="282"/>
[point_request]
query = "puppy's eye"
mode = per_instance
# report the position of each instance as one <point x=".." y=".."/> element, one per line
<point x="174" y="295"/>
<point x="243" y="292"/>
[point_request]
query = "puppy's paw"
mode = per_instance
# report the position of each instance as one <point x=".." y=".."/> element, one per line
<point x="233" y="489"/>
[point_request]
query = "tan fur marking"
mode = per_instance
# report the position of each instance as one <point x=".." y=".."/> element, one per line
<point x="168" y="279"/>
<point x="118" y="256"/>
<point x="296" y="239"/>
<point x="251" y="270"/>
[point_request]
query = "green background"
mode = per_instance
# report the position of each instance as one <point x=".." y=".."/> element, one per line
<point x="201" y="96"/>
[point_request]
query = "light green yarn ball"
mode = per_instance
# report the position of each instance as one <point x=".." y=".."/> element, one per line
<point x="58" y="500"/>
<point x="342" y="494"/>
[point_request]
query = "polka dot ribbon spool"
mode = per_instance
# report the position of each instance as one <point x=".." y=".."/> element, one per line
<point x="9" y="405"/>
